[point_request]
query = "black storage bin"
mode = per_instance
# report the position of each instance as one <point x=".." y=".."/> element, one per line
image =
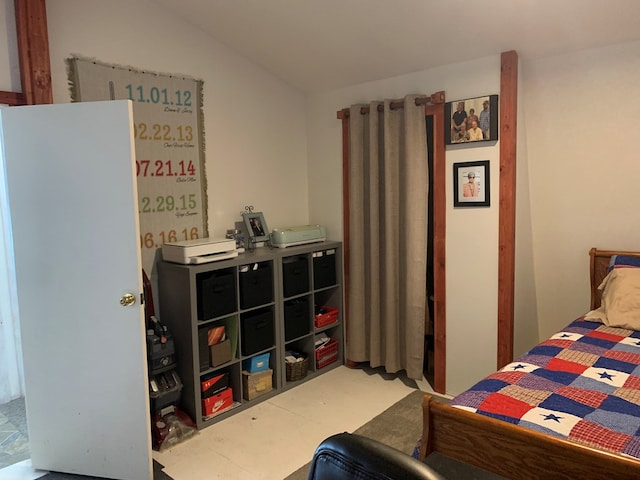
<point x="324" y="268"/>
<point x="216" y="292"/>
<point x="257" y="331"/>
<point x="256" y="284"/>
<point x="295" y="275"/>
<point x="297" y="318"/>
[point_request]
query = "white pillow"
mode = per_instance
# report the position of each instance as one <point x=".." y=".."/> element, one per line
<point x="620" y="305"/>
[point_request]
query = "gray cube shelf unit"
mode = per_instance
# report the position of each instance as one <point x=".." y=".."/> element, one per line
<point x="267" y="301"/>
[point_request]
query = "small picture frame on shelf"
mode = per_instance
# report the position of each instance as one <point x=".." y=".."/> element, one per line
<point x="256" y="227"/>
<point x="471" y="185"/>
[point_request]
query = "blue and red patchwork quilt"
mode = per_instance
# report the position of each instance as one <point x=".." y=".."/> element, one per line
<point x="582" y="384"/>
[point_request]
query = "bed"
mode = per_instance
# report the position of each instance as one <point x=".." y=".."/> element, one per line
<point x="564" y="377"/>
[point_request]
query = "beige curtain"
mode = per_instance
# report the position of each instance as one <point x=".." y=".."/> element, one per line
<point x="388" y="195"/>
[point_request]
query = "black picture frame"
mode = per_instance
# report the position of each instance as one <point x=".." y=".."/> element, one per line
<point x="471" y="184"/>
<point x="454" y="134"/>
<point x="256" y="227"/>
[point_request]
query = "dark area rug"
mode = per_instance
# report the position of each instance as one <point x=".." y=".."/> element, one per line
<point x="400" y="427"/>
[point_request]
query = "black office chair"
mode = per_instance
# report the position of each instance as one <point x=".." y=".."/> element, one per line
<point x="347" y="456"/>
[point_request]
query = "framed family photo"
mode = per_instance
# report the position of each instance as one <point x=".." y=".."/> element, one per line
<point x="471" y="184"/>
<point x="256" y="226"/>
<point x="472" y="120"/>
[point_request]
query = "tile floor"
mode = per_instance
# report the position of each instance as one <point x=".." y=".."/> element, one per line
<point x="276" y="437"/>
<point x="14" y="444"/>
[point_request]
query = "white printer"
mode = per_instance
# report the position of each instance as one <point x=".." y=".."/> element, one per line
<point x="201" y="250"/>
<point x="290" y="236"/>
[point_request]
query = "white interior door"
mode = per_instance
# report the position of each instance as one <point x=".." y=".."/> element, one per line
<point x="74" y="212"/>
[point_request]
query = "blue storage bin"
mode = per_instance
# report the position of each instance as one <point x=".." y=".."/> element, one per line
<point x="257" y="363"/>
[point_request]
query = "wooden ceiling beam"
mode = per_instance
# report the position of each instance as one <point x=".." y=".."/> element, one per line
<point x="33" y="51"/>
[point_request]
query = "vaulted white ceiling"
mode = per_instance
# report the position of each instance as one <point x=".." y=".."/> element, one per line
<point x="318" y="45"/>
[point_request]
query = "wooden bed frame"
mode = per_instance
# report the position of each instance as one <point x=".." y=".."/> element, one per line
<point x="516" y="452"/>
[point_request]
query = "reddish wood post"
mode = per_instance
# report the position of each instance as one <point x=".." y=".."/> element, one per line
<point x="33" y="51"/>
<point x="507" y="204"/>
<point x="436" y="109"/>
<point x="344" y="116"/>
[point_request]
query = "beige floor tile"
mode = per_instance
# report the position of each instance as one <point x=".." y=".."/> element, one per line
<point x="276" y="437"/>
<point x="205" y="464"/>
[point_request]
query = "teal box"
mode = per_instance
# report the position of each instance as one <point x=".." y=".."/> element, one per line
<point x="257" y="363"/>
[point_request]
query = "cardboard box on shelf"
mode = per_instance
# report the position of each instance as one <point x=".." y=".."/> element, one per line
<point x="256" y="384"/>
<point x="215" y="335"/>
<point x="220" y="353"/>
<point x="257" y="363"/>
<point x="211" y="384"/>
<point x="217" y="403"/>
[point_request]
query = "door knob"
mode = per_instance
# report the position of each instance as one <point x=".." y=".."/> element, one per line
<point x="127" y="300"/>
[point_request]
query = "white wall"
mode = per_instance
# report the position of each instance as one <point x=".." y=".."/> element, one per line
<point x="254" y="123"/>
<point x="472" y="234"/>
<point x="583" y="163"/>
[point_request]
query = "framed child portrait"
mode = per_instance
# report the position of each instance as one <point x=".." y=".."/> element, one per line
<point x="471" y="185"/>
<point x="256" y="227"/>
<point x="472" y="120"/>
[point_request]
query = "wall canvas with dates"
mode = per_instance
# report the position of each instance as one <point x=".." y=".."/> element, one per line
<point x="169" y="138"/>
